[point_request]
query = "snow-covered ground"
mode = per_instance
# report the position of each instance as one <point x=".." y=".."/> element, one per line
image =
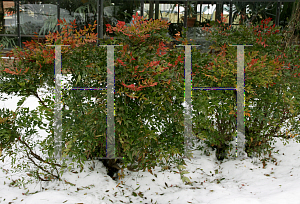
<point x="214" y="182"/>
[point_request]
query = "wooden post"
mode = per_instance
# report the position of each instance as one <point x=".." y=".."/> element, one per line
<point x="156" y="9"/>
<point x="185" y="14"/>
<point x="142" y="8"/>
<point x="200" y="12"/>
<point x="100" y="20"/>
<point x="195" y="9"/>
<point x="219" y="10"/>
<point x="151" y="9"/>
<point x="230" y="14"/>
<point x="278" y="12"/>
<point x="178" y="14"/>
<point x="18" y="23"/>
<point x="2" y="21"/>
<point x="58" y="14"/>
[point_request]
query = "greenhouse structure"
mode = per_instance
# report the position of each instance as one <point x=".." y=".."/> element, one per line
<point x="33" y="19"/>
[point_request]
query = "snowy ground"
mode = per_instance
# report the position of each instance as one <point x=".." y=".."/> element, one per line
<point x="214" y="182"/>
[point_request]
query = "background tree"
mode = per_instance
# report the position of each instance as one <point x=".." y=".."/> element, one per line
<point x="262" y="10"/>
<point x="87" y="10"/>
<point x="126" y="9"/>
<point x="240" y="9"/>
<point x="293" y="27"/>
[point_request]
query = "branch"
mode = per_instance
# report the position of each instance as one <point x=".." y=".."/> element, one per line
<point x="40" y="167"/>
<point x="40" y="159"/>
<point x="35" y="155"/>
<point x="36" y="95"/>
<point x="37" y="173"/>
<point x="283" y="119"/>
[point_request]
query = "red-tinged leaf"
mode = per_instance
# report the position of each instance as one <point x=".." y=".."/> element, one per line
<point x="131" y="86"/>
<point x="169" y="81"/>
<point x="154" y="63"/>
<point x="154" y="84"/>
<point x="27" y="69"/>
<point x="143" y="70"/>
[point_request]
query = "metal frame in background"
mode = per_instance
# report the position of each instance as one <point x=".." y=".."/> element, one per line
<point x="218" y="2"/>
<point x="100" y="14"/>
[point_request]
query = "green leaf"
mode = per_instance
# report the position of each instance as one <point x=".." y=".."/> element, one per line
<point x="184" y="172"/>
<point x="185" y="179"/>
<point x="21" y="83"/>
<point x="21" y="101"/>
<point x="78" y="79"/>
<point x="181" y="167"/>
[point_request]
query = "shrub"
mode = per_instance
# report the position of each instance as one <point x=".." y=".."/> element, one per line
<point x="268" y="74"/>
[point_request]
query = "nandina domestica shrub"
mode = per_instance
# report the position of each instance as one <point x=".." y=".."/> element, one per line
<point x="148" y="82"/>
<point x="149" y="79"/>
<point x="33" y="68"/>
<point x="269" y="71"/>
